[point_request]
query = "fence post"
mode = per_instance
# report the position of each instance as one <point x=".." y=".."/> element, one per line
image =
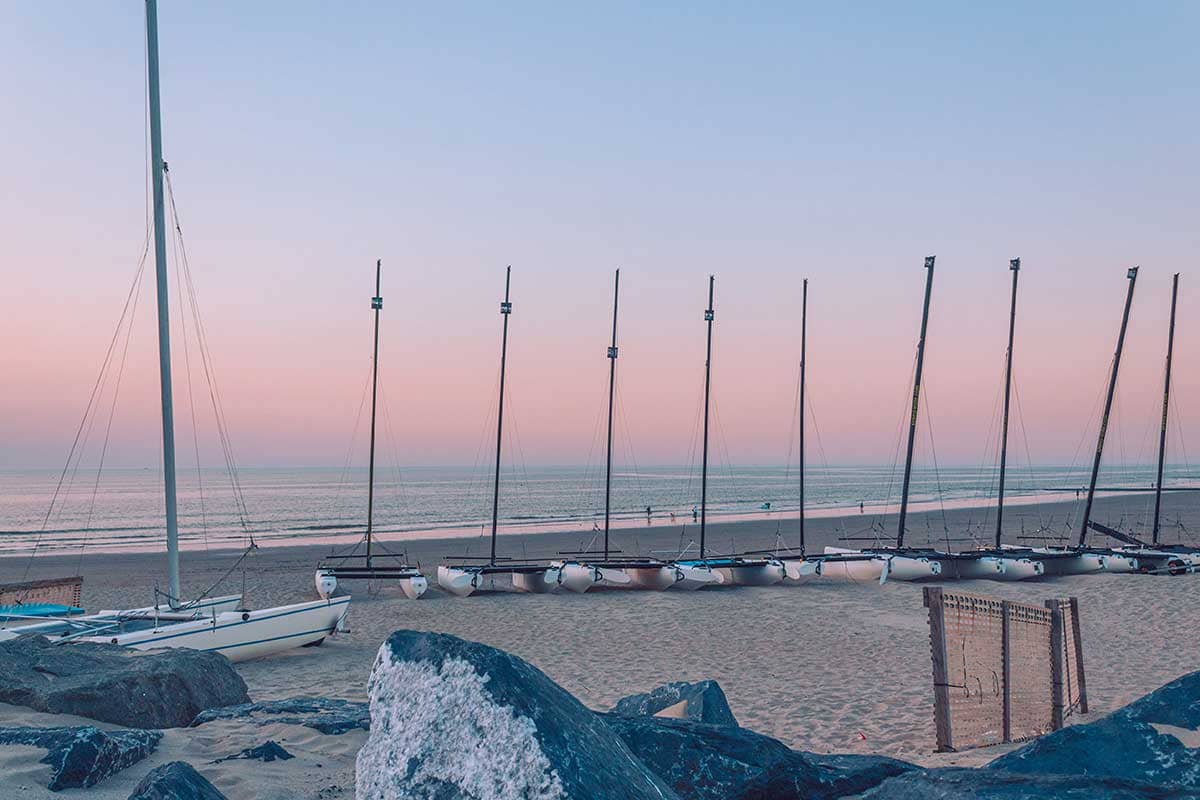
<point x="1056" y="664"/>
<point x="1077" y="632"/>
<point x="941" y="677"/>
<point x="1006" y="660"/>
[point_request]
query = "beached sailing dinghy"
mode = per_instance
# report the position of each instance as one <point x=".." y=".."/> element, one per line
<point x="1155" y="556"/>
<point x="729" y="570"/>
<point x="220" y="624"/>
<point x="369" y="565"/>
<point x="582" y="570"/>
<point x="464" y="575"/>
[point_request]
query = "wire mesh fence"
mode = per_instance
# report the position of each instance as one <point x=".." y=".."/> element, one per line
<point x="1002" y="671"/>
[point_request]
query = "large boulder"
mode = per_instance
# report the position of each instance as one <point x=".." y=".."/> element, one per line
<point x="1152" y="740"/>
<point x="177" y="780"/>
<point x="702" y="701"/>
<point x="987" y="784"/>
<point x="717" y="762"/>
<point x="456" y="719"/>
<point x="331" y="717"/>
<point x="140" y="689"/>
<point x="84" y="756"/>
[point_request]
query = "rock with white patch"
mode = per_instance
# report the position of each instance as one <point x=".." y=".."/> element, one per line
<point x="703" y="701"/>
<point x="1152" y="740"/>
<point x="83" y="756"/>
<point x="457" y="719"/>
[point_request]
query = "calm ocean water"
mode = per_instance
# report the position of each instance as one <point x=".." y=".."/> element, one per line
<point x="124" y="509"/>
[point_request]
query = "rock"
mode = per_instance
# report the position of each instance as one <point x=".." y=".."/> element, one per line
<point x="177" y="780"/>
<point x="330" y="717"/>
<point x="84" y="756"/>
<point x="141" y="689"/>
<point x="1146" y="741"/>
<point x="989" y="784"/>
<point x="456" y="719"/>
<point x="718" y="762"/>
<point x="703" y="701"/>
<point x="267" y="751"/>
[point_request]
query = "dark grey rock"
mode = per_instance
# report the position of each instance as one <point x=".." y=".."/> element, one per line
<point x="988" y="784"/>
<point x="702" y="701"/>
<point x="267" y="751"/>
<point x="456" y="719"/>
<point x="1125" y="744"/>
<point x="84" y="756"/>
<point x="153" y="689"/>
<point x="718" y="762"/>
<point x="331" y="717"/>
<point x="177" y="780"/>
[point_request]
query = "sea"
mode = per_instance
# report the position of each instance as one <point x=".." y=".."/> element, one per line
<point x="122" y="509"/>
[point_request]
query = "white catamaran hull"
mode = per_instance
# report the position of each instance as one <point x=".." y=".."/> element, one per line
<point x="897" y="567"/>
<point x="243" y="635"/>
<point x="767" y="574"/>
<point x="540" y="582"/>
<point x="696" y="576"/>
<point x="653" y="579"/>
<point x="458" y="582"/>
<point x="994" y="568"/>
<point x="800" y="570"/>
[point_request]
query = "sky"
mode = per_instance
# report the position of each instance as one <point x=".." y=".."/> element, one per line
<point x="763" y="143"/>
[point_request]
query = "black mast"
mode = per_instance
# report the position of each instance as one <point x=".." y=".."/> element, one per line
<point x="377" y="305"/>
<point x="612" y="381"/>
<point x="708" y="316"/>
<point x="803" y="350"/>
<point x="1162" y="433"/>
<point x="505" y="310"/>
<point x="1015" y="266"/>
<point x="916" y="400"/>
<point x="1112" y="388"/>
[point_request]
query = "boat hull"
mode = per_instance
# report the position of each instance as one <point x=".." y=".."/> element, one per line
<point x="243" y="635"/>
<point x="765" y="574"/>
<point x="654" y="579"/>
<point x="696" y="576"/>
<point x="539" y="582"/>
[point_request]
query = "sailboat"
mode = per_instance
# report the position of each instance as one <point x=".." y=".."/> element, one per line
<point x="997" y="564"/>
<point x="583" y="570"/>
<point x="1153" y="556"/>
<point x="892" y="563"/>
<point x="463" y="575"/>
<point x="221" y="624"/>
<point x="1081" y="559"/>
<point x="352" y="566"/>
<point x="728" y="570"/>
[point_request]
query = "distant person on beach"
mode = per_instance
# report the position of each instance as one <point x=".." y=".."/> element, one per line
<point x="695" y="515"/>
<point x="647" y="515"/>
<point x="766" y="506"/>
<point x="861" y="510"/>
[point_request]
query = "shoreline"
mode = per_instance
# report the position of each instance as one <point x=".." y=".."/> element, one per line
<point x="620" y="525"/>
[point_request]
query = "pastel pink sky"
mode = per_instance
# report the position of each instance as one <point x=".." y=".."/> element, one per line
<point x="763" y="149"/>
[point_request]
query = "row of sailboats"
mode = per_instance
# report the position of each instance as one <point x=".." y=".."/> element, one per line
<point x="608" y="567"/>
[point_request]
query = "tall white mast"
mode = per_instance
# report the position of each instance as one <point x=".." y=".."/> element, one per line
<point x="164" y="321"/>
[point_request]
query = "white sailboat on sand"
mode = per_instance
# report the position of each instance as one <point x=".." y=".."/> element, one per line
<point x="221" y="624"/>
<point x="728" y="570"/>
<point x="370" y="566"/>
<point x="463" y="576"/>
<point x="608" y="569"/>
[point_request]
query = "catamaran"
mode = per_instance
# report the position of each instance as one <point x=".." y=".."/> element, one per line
<point x="222" y="624"/>
<point x="464" y="575"/>
<point x="371" y="566"/>
<point x="1155" y="556"/>
<point x="722" y="570"/>
<point x="582" y="570"/>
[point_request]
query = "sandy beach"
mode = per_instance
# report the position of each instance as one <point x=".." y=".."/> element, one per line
<point x="826" y="666"/>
